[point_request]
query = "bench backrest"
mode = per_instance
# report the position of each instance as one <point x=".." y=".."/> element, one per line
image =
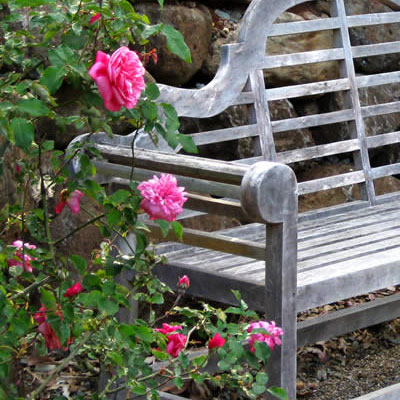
<point x="245" y="67"/>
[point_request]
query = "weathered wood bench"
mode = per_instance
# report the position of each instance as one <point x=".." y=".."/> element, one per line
<point x="305" y="260"/>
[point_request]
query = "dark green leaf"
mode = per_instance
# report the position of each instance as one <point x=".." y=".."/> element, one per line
<point x="62" y="55"/>
<point x="178" y="382"/>
<point x="164" y="226"/>
<point x="176" y="43"/>
<point x="187" y="143"/>
<point x="79" y="263"/>
<point x="143" y="332"/>
<point x="262" y="351"/>
<point x="108" y="306"/>
<point x="258" y="388"/>
<point x="53" y="78"/>
<point x="48" y="299"/>
<point x="33" y="107"/>
<point x="33" y="3"/>
<point x="152" y="92"/>
<point x="150" y="111"/>
<point x="23" y="132"/>
<point x="120" y="196"/>
<point x="116" y="358"/>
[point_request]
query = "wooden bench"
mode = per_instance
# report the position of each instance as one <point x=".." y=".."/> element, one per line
<point x="305" y="260"/>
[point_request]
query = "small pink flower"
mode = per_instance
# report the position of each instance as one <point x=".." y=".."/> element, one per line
<point x="184" y="282"/>
<point x="176" y="343"/>
<point x="18" y="169"/>
<point x="22" y="260"/>
<point x="216" y="341"/>
<point x="73" y="201"/>
<point x="73" y="290"/>
<point x="119" y="78"/>
<point x="94" y="18"/>
<point x="271" y="337"/>
<point x="51" y="339"/>
<point x="162" y="198"/>
<point x="167" y="329"/>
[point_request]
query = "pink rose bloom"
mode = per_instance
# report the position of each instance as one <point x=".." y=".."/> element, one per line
<point x="40" y="316"/>
<point x="167" y="329"/>
<point x="271" y="337"/>
<point x="22" y="260"/>
<point x="51" y="339"/>
<point x="73" y="201"/>
<point x="94" y="18"/>
<point x="162" y="198"/>
<point x="216" y="341"/>
<point x="73" y="290"/>
<point x="176" y="343"/>
<point x="119" y="78"/>
<point x="184" y="282"/>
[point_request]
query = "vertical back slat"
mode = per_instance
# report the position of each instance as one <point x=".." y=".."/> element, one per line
<point x="361" y="157"/>
<point x="263" y="118"/>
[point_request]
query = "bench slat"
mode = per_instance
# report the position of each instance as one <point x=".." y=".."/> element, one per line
<point x="386" y="170"/>
<point x="380" y="109"/>
<point x="312" y="120"/>
<point x="378" y="79"/>
<point x="378" y="49"/>
<point x="292" y="28"/>
<point x="331" y="182"/>
<point x="308" y="57"/>
<point x="221" y="135"/>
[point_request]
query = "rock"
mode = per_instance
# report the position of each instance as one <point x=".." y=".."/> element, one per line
<point x="195" y="23"/>
<point x="300" y="43"/>
<point x="373" y="34"/>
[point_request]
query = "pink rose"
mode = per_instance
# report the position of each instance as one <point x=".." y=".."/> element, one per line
<point x="216" y="341"/>
<point x="271" y="337"/>
<point x="176" y="343"/>
<point x="22" y="260"/>
<point x="119" y="78"/>
<point x="73" y="290"/>
<point x="73" y="201"/>
<point x="184" y="282"/>
<point x="167" y="329"/>
<point x="94" y="18"/>
<point x="162" y="198"/>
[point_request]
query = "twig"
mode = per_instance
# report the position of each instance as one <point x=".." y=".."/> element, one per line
<point x="30" y="288"/>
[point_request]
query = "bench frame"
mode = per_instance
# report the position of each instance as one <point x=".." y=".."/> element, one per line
<point x="267" y="189"/>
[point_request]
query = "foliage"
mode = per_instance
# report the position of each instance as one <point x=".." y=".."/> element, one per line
<point x="51" y="301"/>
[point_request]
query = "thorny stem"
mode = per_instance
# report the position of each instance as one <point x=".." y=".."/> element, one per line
<point x="107" y="388"/>
<point x="170" y="309"/>
<point x="30" y="288"/>
<point x="73" y="353"/>
<point x="46" y="208"/>
<point x="78" y="228"/>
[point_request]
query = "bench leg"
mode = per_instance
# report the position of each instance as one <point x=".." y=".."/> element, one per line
<point x="280" y="289"/>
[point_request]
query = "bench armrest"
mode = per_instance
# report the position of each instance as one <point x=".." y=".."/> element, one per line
<point x="269" y="192"/>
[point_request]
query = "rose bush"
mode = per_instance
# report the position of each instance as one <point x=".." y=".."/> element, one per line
<point x="56" y="305"/>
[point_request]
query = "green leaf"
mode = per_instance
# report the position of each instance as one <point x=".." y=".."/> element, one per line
<point x="178" y="229"/>
<point x="143" y="332"/>
<point x="262" y="351"/>
<point x="158" y="298"/>
<point x="116" y="358"/>
<point x="258" y="388"/>
<point x="33" y="107"/>
<point x="187" y="143"/>
<point x="278" y="392"/>
<point x="152" y="92"/>
<point x="120" y="196"/>
<point x="262" y="378"/>
<point x="48" y="145"/>
<point x="53" y="78"/>
<point x="139" y="389"/>
<point x="48" y="299"/>
<point x="33" y="3"/>
<point x="79" y="263"/>
<point x="62" y="55"/>
<point x="23" y="132"/>
<point x="223" y="365"/>
<point x="108" y="306"/>
<point x="150" y="111"/>
<point x="176" y="43"/>
<point x="164" y="226"/>
<point x="113" y="217"/>
<point x="161" y="3"/>
<point x="178" y="382"/>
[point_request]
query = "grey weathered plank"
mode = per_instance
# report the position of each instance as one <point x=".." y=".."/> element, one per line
<point x="322" y="150"/>
<point x="309" y="57"/>
<point x="312" y="120"/>
<point x="197" y="185"/>
<point x="386" y="170"/>
<point x="303" y="26"/>
<point x="213" y="170"/>
<point x="347" y="320"/>
<point x="373" y="19"/>
<point x="378" y="79"/>
<point x="381" y="109"/>
<point x="221" y="135"/>
<point x="308" y="89"/>
<point x="331" y="182"/>
<point x="378" y="49"/>
<point x="383" y="140"/>
<point x="389" y="393"/>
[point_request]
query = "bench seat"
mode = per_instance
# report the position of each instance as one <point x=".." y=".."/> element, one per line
<point x="339" y="256"/>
